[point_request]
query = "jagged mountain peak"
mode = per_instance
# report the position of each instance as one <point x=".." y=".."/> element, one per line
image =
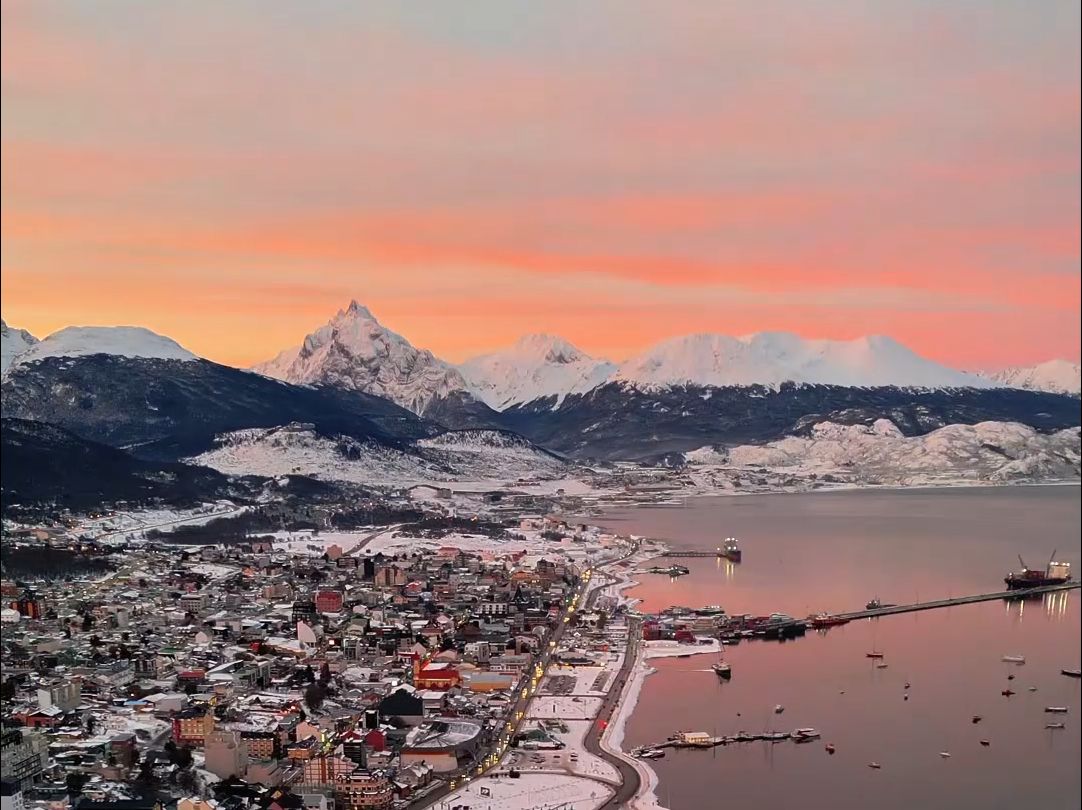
<point x="356" y="352"/>
<point x="535" y="367"/>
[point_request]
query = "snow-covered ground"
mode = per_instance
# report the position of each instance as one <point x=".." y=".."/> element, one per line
<point x="486" y="459"/>
<point x="126" y="527"/>
<point x="13" y="342"/>
<point x="673" y="649"/>
<point x="988" y="452"/>
<point x="531" y="791"/>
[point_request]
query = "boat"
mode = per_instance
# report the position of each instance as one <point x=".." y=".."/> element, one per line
<point x="1071" y="673"/>
<point x="1055" y="573"/>
<point x="776" y="736"/>
<point x="1032" y="688"/>
<point x="723" y="669"/>
<point x="1007" y="692"/>
<point x="805" y="734"/>
<point x="875" y="766"/>
<point x="874" y="604"/>
<point x="945" y="754"/>
<point x="779" y="709"/>
<point x="730" y="550"/>
<point x="1055" y="725"/>
<point x="977" y="718"/>
<point x="1014" y="659"/>
<point x="830" y="748"/>
<point x="873" y="654"/>
<point x="1056" y="709"/>
<point x="820" y="621"/>
<point x="881" y="665"/>
<point x="710" y="610"/>
<point x="986" y="743"/>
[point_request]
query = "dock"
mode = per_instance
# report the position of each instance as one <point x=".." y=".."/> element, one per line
<point x="677" y="554"/>
<point x="1021" y="593"/>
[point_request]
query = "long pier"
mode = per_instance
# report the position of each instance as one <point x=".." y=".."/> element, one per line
<point x="674" y="554"/>
<point x="1021" y="593"/>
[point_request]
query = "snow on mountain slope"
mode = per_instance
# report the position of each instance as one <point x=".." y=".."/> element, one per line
<point x="535" y="367"/>
<point x="122" y="341"/>
<point x="297" y="449"/>
<point x="880" y="454"/>
<point x="13" y="342"/>
<point x="1057" y="376"/>
<point x="354" y="351"/>
<point x="770" y="358"/>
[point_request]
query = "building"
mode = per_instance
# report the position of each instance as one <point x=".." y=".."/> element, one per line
<point x="65" y="695"/>
<point x="11" y="797"/>
<point x="192" y="726"/>
<point x="441" y="743"/>
<point x="328" y="601"/>
<point x="226" y="753"/>
<point x="434" y="676"/>
<point x="23" y="756"/>
<point x="363" y="789"/>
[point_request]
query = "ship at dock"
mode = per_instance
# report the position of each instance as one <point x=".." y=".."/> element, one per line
<point x="1055" y="573"/>
<point x="730" y="550"/>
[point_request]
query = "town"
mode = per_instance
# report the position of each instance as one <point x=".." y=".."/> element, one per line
<point x="375" y="667"/>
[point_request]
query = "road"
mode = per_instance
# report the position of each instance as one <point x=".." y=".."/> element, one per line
<point x="629" y="776"/>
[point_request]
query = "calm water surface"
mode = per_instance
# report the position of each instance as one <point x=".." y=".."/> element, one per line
<point x="835" y="551"/>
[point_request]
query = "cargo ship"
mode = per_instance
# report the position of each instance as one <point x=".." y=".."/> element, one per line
<point x="1057" y="573"/>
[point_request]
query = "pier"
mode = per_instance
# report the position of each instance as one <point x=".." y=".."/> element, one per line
<point x="888" y="610"/>
<point x="676" y="554"/>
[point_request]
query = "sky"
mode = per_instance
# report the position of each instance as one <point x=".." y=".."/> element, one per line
<point x="614" y="172"/>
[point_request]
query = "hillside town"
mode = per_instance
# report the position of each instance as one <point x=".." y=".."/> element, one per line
<point x="369" y="668"/>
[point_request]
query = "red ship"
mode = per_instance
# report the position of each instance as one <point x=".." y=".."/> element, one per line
<point x="820" y="620"/>
<point x="1057" y="573"/>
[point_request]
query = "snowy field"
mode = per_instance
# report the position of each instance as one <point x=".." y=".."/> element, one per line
<point x="564" y="707"/>
<point x="532" y="791"/>
<point x="123" y="527"/>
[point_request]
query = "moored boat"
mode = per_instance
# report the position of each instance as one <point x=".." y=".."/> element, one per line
<point x="1072" y="673"/>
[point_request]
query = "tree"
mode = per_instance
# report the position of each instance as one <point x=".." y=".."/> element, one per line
<point x="314" y="696"/>
<point x="183" y="757"/>
<point x="325" y="673"/>
<point x="88" y="622"/>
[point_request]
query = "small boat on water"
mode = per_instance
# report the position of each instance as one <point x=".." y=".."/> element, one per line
<point x="976" y="719"/>
<point x="1056" y="709"/>
<point x="776" y="736"/>
<point x="1007" y="692"/>
<point x="881" y="665"/>
<point x="723" y="669"/>
<point x="821" y="621"/>
<point x="1055" y="725"/>
<point x="806" y="734"/>
<point x="875" y="766"/>
<point x="1071" y="673"/>
<point x="651" y="753"/>
<point x="945" y="754"/>
<point x="830" y="748"/>
<point x="873" y="654"/>
<point x="779" y="709"/>
<point x="986" y="743"/>
<point x="1014" y="659"/>
<point x="1032" y="688"/>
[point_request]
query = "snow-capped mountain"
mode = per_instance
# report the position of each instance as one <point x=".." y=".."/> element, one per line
<point x="880" y="454"/>
<point x="772" y="358"/>
<point x="119" y="341"/>
<point x="1057" y="376"/>
<point x="535" y="367"/>
<point x="13" y="342"/>
<point x="355" y="352"/>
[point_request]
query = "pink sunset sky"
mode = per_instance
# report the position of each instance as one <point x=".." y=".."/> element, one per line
<point x="617" y="173"/>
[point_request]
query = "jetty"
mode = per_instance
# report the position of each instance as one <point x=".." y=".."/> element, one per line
<point x="1018" y="593"/>
<point x="679" y="554"/>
